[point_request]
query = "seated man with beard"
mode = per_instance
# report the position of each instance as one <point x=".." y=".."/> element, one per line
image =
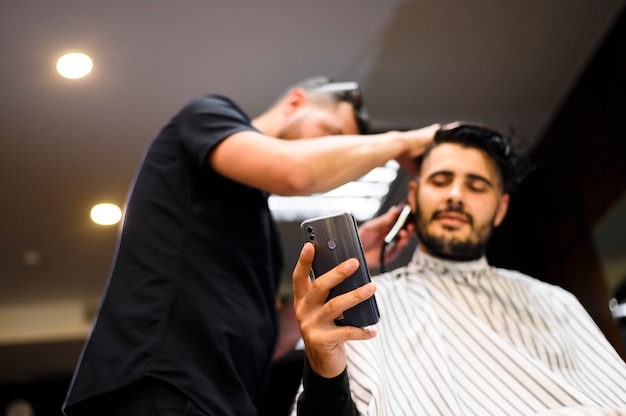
<point x="456" y="336"/>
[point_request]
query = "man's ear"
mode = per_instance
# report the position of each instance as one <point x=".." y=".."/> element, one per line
<point x="412" y="195"/>
<point x="501" y="210"/>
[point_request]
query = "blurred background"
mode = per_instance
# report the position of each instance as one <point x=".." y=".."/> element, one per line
<point x="552" y="72"/>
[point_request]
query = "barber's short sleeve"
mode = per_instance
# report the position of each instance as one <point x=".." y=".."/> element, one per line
<point x="205" y="121"/>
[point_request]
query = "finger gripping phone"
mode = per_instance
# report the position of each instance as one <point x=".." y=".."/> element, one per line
<point x="336" y="239"/>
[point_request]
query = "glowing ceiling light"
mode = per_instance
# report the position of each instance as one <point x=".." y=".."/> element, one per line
<point x="74" y="65"/>
<point x="106" y="214"/>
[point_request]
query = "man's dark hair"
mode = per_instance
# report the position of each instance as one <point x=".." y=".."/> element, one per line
<point x="511" y="165"/>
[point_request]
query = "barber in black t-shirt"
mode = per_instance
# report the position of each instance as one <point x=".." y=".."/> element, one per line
<point x="187" y="324"/>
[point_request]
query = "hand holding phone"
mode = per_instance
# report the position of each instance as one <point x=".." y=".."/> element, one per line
<point x="336" y="239"/>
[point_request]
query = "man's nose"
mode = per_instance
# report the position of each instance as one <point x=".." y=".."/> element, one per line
<point x="456" y="192"/>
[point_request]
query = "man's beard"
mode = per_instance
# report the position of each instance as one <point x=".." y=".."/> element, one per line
<point x="450" y="247"/>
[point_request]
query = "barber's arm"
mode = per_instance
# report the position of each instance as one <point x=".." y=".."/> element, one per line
<point x="307" y="166"/>
<point x="325" y="378"/>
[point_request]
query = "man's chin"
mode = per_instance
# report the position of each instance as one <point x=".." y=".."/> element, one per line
<point x="450" y="246"/>
<point x="449" y="233"/>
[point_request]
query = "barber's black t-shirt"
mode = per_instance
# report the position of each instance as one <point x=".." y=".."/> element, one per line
<point x="190" y="299"/>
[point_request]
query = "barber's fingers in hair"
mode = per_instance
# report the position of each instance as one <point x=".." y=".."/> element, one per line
<point x="450" y="126"/>
<point x="426" y="133"/>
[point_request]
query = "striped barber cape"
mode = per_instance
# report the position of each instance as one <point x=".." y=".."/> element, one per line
<point x="465" y="338"/>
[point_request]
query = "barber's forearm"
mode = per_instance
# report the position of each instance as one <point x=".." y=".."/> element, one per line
<point x="338" y="159"/>
<point x="327" y="164"/>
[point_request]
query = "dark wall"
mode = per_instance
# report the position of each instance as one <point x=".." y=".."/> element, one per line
<point x="580" y="171"/>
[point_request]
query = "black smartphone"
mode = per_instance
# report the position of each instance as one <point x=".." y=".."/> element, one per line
<point x="336" y="239"/>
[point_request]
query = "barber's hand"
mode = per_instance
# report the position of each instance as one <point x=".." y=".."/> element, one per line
<point x="418" y="141"/>
<point x="323" y="340"/>
<point x="373" y="232"/>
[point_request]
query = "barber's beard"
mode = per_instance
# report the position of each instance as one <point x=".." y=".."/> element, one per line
<point x="292" y="131"/>
<point x="451" y="247"/>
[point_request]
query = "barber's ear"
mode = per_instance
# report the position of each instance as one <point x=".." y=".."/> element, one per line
<point x="501" y="210"/>
<point x="294" y="100"/>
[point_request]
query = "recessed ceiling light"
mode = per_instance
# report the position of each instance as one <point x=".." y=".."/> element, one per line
<point x="106" y="214"/>
<point x="19" y="407"/>
<point x="74" y="65"/>
<point x="31" y="258"/>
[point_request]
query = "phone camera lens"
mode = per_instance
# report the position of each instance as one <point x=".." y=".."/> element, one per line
<point x="309" y="229"/>
<point x="312" y="237"/>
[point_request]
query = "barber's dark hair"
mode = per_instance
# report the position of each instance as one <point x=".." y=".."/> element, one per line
<point x="337" y="91"/>
<point x="311" y="83"/>
<point x="511" y="164"/>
